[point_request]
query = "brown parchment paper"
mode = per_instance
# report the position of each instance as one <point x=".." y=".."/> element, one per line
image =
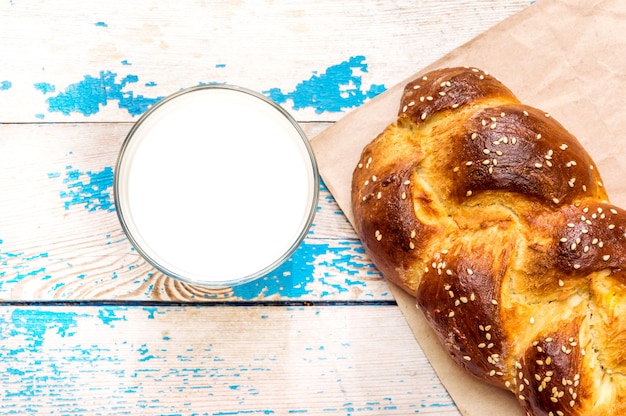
<point x="566" y="57"/>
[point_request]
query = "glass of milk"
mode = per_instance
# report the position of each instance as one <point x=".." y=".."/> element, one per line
<point x="216" y="185"/>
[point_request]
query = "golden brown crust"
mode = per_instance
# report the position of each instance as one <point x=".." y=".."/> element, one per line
<point x="496" y="219"/>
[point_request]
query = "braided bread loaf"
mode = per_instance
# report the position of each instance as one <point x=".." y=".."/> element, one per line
<point x="496" y="219"/>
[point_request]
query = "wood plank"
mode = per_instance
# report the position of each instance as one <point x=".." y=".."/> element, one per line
<point x="110" y="61"/>
<point x="61" y="239"/>
<point x="214" y="360"/>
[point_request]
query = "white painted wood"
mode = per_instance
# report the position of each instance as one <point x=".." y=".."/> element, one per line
<point x="165" y="46"/>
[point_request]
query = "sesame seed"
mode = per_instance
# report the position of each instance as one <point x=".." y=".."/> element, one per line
<point x="561" y="283"/>
<point x="467" y="358"/>
<point x="577" y="266"/>
<point x="538" y="136"/>
<point x="538" y="165"/>
<point x="469" y="163"/>
<point x="403" y="195"/>
<point x="563" y="147"/>
<point x="468" y="193"/>
<point x="526" y="113"/>
<point x="416" y="87"/>
<point x="493" y="126"/>
<point x="374" y="178"/>
<point x="611" y="226"/>
<point x="404" y="109"/>
<point x="556" y="200"/>
<point x="423" y="117"/>
<point x="413" y="233"/>
<point x="486" y="151"/>
<point x="470" y="272"/>
<point x="379" y="195"/>
<point x="532" y="320"/>
<point x="451" y="314"/>
<point x="606" y="257"/>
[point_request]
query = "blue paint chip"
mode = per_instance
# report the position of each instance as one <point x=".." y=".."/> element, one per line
<point x="296" y="277"/>
<point x="338" y="88"/>
<point x="34" y="323"/>
<point x="44" y="87"/>
<point x="88" y="96"/>
<point x="91" y="190"/>
<point x="101" y="24"/>
<point x="5" y="85"/>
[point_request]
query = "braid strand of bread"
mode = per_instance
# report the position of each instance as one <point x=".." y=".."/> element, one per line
<point x="494" y="216"/>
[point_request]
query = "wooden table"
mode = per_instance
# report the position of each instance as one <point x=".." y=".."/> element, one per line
<point x="87" y="326"/>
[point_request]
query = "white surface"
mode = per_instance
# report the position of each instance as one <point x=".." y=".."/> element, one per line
<point x="201" y="179"/>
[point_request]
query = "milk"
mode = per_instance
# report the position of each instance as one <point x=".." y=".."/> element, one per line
<point x="216" y="186"/>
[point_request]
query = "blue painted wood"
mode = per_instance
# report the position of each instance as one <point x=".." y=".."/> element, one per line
<point x="214" y="361"/>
